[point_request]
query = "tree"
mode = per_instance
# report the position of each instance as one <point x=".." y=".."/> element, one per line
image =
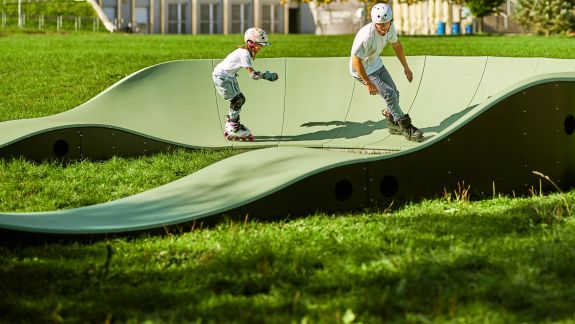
<point x="546" y="16"/>
<point x="482" y="8"/>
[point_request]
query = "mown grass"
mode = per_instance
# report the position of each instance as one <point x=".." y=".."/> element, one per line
<point x="448" y="260"/>
<point x="491" y="261"/>
<point x="27" y="186"/>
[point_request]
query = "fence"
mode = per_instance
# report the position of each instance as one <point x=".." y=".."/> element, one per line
<point x="57" y="23"/>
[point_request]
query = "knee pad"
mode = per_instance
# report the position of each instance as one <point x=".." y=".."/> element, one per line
<point x="237" y="102"/>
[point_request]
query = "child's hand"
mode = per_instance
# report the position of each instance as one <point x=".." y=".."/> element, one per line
<point x="270" y="76"/>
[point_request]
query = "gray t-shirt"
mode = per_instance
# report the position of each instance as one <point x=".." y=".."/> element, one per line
<point x="368" y="45"/>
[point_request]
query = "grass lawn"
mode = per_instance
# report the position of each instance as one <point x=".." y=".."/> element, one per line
<point x="446" y="260"/>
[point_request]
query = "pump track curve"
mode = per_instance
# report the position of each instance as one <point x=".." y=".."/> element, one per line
<point x="489" y="123"/>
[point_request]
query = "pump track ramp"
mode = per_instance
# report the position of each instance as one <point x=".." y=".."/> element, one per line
<point x="489" y="123"/>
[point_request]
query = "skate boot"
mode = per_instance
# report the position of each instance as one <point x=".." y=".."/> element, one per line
<point x="410" y="132"/>
<point x="235" y="131"/>
<point x="392" y="125"/>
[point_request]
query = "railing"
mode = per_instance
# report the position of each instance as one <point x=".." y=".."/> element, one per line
<point x="57" y="23"/>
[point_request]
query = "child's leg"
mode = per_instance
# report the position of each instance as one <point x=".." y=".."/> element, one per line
<point x="234" y="130"/>
<point x="235" y="107"/>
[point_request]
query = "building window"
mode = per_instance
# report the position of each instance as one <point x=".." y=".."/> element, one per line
<point x="271" y="14"/>
<point x="210" y="18"/>
<point x="142" y="18"/>
<point x="177" y="18"/>
<point x="241" y="17"/>
<point x="110" y="12"/>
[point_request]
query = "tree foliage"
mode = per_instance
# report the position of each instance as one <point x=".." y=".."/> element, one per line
<point x="482" y="8"/>
<point x="546" y="16"/>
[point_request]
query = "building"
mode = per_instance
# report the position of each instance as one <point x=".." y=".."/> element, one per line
<point x="428" y="17"/>
<point x="196" y="16"/>
<point x="444" y="17"/>
<point x="231" y="16"/>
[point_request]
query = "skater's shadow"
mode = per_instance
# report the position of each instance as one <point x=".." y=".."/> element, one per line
<point x="341" y="129"/>
<point x="447" y="121"/>
<point x="349" y="130"/>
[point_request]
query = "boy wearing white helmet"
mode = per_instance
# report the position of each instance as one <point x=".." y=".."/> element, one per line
<point x="225" y="80"/>
<point x="366" y="66"/>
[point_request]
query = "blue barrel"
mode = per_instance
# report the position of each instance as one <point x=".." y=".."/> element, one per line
<point x="440" y="28"/>
<point x="469" y="29"/>
<point x="455" y="28"/>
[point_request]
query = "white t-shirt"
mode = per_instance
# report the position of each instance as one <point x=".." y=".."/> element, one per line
<point x="368" y="45"/>
<point x="236" y="60"/>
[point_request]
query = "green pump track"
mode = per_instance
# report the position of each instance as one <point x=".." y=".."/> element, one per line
<point x="489" y="122"/>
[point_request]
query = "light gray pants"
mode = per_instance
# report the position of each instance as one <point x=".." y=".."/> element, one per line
<point x="229" y="88"/>
<point x="388" y="91"/>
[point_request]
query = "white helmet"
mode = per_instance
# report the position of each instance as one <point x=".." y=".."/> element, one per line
<point x="256" y="35"/>
<point x="381" y="13"/>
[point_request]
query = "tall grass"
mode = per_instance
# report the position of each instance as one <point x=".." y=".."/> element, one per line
<point x="447" y="260"/>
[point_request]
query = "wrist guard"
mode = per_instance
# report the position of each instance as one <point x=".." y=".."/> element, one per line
<point x="270" y="76"/>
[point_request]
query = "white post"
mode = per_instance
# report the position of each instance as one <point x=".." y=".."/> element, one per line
<point x="286" y="17"/>
<point x="438" y="13"/>
<point x="397" y="17"/>
<point x="405" y="17"/>
<point x="412" y="19"/>
<point x="419" y="18"/>
<point x="133" y="16"/>
<point x="118" y="15"/>
<point x="226" y="16"/>
<point x="19" y="13"/>
<point x="431" y="17"/>
<point x="257" y="11"/>
<point x="162" y="18"/>
<point x="151" y="18"/>
<point x="195" y="16"/>
<point x="457" y="16"/>
<point x="425" y="17"/>
<point x="447" y="17"/>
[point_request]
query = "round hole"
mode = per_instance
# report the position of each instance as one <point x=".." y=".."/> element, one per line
<point x="343" y="190"/>
<point x="60" y="148"/>
<point x="388" y="186"/>
<point x="569" y="124"/>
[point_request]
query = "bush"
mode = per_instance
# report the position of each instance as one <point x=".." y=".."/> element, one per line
<point x="546" y="16"/>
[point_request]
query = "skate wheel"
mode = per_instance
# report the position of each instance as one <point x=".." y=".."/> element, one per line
<point x="251" y="138"/>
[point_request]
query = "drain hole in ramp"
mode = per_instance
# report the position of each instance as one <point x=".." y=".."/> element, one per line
<point x="60" y="148"/>
<point x="343" y="190"/>
<point x="569" y="125"/>
<point x="388" y="186"/>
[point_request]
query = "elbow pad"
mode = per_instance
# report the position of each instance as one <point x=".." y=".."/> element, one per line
<point x="256" y="75"/>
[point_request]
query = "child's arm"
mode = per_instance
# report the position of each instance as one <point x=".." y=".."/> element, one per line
<point x="253" y="73"/>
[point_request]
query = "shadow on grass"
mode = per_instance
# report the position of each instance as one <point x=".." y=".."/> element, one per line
<point x="434" y="263"/>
